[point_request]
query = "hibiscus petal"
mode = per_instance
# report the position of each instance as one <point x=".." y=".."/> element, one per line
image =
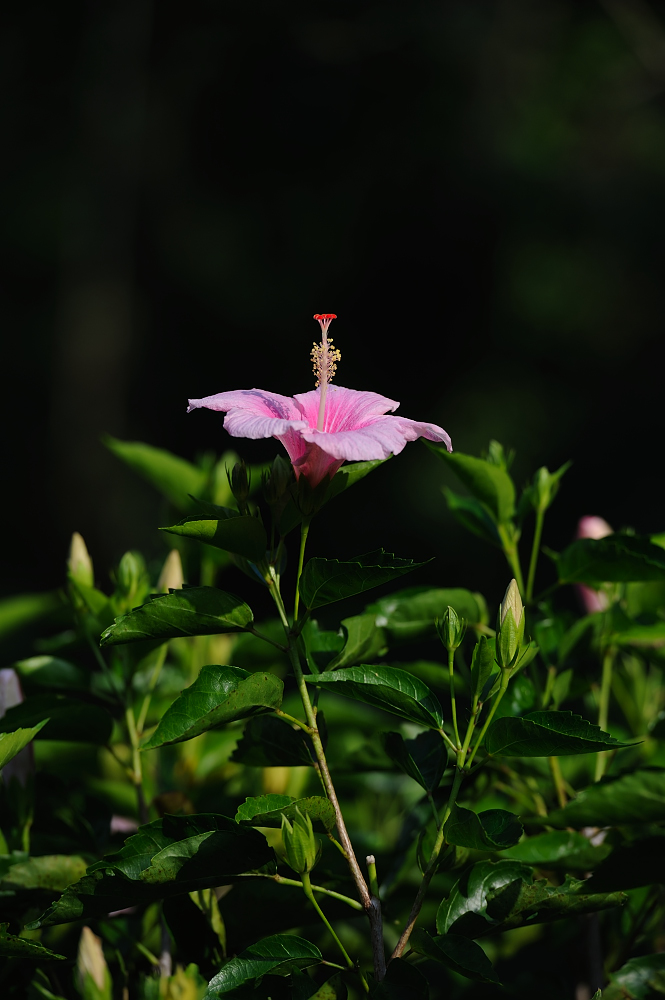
<point x="346" y="409"/>
<point x="256" y="401"/>
<point x="384" y="436"/>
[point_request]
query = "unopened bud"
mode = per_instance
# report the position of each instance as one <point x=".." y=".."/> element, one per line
<point x="132" y="576"/>
<point x="92" y="979"/>
<point x="239" y="481"/>
<point x="171" y="577"/>
<point x="302" y="848"/>
<point x="79" y="563"/>
<point x="277" y="480"/>
<point x="510" y="627"/>
<point x="451" y="629"/>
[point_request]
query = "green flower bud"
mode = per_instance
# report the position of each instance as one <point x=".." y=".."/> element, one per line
<point x="171" y="577"/>
<point x="302" y="848"/>
<point x="277" y="480"/>
<point x="79" y="563"/>
<point x="451" y="629"/>
<point x="132" y="578"/>
<point x="510" y="627"/>
<point x="239" y="481"/>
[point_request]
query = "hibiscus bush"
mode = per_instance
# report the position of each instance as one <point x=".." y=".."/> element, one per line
<point x="448" y="793"/>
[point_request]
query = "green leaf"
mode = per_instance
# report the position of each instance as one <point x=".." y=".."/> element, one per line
<point x="457" y="953"/>
<point x="402" y="981"/>
<point x="495" y="896"/>
<point x="48" y="871"/>
<point x="492" y="830"/>
<point x="473" y="516"/>
<point x="363" y="642"/>
<point x="389" y="688"/>
<point x="190" y="611"/>
<point x="423" y="758"/>
<point x="333" y="989"/>
<point x="350" y="474"/>
<point x="615" y="559"/>
<point x="267" y="810"/>
<point x="640" y="978"/>
<point x="68" y="719"/>
<point x="559" y="849"/>
<point x="546" y="734"/>
<point x="172" y="855"/>
<point x="631" y="798"/>
<point x="13" y="946"/>
<point x="242" y="535"/>
<point x="409" y="614"/>
<point x="278" y="954"/>
<point x="325" y="581"/>
<point x="640" y="862"/>
<point x="322" y="646"/>
<point x="641" y="635"/>
<point x="23" y="609"/>
<point x="271" y="742"/>
<point x="482" y="664"/>
<point x="220" y="694"/>
<point x="12" y="743"/>
<point x="489" y="483"/>
<point x="39" y="672"/>
<point x="172" y="476"/>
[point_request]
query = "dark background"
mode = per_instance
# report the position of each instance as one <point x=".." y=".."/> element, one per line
<point x="480" y="184"/>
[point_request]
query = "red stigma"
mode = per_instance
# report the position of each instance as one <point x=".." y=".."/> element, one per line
<point x="321" y="316"/>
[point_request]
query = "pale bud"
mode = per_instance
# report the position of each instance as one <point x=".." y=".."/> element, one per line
<point x="510" y="627"/>
<point x="93" y="979"/>
<point x="171" y="577"/>
<point x="79" y="562"/>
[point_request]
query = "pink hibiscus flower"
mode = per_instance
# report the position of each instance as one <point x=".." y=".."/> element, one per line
<point x="319" y="429"/>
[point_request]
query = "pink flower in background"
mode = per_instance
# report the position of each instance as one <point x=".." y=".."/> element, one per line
<point x="593" y="527"/>
<point x="321" y="429"/>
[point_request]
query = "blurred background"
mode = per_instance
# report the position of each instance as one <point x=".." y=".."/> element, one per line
<point x="477" y="189"/>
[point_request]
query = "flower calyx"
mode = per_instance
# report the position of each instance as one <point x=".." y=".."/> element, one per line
<point x="303" y="850"/>
<point x="451" y="629"/>
<point x="510" y="628"/>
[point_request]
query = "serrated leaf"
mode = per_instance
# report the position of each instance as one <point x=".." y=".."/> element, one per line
<point x="423" y="758"/>
<point x="467" y="901"/>
<point x="174" y="477"/>
<point x="559" y="849"/>
<point x="271" y="742"/>
<point x="638" y="797"/>
<point x="242" y="535"/>
<point x="67" y="719"/>
<point x="190" y="611"/>
<point x="547" y="734"/>
<point x="410" y="614"/>
<point x="363" y="642"/>
<point x="220" y="694"/>
<point x="489" y="483"/>
<point x="267" y="810"/>
<point x="12" y="743"/>
<point x="172" y="855"/>
<point x="473" y="516"/>
<point x="321" y="645"/>
<point x="457" y="953"/>
<point x="325" y="581"/>
<point x="615" y="559"/>
<point x="277" y="954"/>
<point x="640" y="978"/>
<point x="492" y="830"/>
<point x="389" y="688"/>
<point x="13" y="946"/>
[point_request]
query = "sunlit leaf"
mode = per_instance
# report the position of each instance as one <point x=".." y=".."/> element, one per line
<point x="389" y="688"/>
<point x="190" y="611"/>
<point x="267" y="810"/>
<point x="325" y="581"/>
<point x="276" y="954"/>
<point x="546" y="734"/>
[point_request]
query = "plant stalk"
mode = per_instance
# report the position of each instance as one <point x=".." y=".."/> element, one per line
<point x="604" y="706"/>
<point x="535" y="551"/>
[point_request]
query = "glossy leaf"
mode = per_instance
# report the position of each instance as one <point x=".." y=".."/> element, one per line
<point x="363" y="642"/>
<point x="39" y="672"/>
<point x="456" y="952"/>
<point x="482" y="664"/>
<point x="423" y="758"/>
<point x="559" y="849"/>
<point x="640" y="978"/>
<point x="322" y="645"/>
<point x="276" y="954"/>
<point x="220" y="694"/>
<point x="172" y="855"/>
<point x="271" y="742"/>
<point x="389" y="688"/>
<point x="13" y="946"/>
<point x="172" y="476"/>
<point x="267" y="810"/>
<point x="615" y="559"/>
<point x="546" y="734"/>
<point x="640" y="862"/>
<point x="492" y="830"/>
<point x="410" y="613"/>
<point x="68" y="719"/>
<point x="487" y="482"/>
<point x="12" y="743"/>
<point x="638" y="797"/>
<point x="244" y="536"/>
<point x="191" y="611"/>
<point x="325" y="581"/>
<point x="473" y="516"/>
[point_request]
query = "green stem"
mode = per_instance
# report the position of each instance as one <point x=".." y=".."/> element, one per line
<point x="292" y="719"/>
<point x="304" y="531"/>
<point x="557" y="778"/>
<point x="446" y="739"/>
<point x="307" y="889"/>
<point x="260" y="635"/>
<point x="502" y="690"/>
<point x="535" y="550"/>
<point x="371" y="871"/>
<point x="451" y="672"/>
<point x="510" y="552"/>
<point x="153" y="684"/>
<point x="604" y="706"/>
<point x="317" y="888"/>
<point x="137" y="769"/>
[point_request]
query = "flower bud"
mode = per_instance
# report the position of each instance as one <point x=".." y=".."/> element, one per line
<point x="171" y="577"/>
<point x="451" y="629"/>
<point x="510" y="627"/>
<point x="277" y="480"/>
<point x="132" y="577"/>
<point x="239" y="481"/>
<point x="302" y="848"/>
<point x="92" y="974"/>
<point x="79" y="563"/>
